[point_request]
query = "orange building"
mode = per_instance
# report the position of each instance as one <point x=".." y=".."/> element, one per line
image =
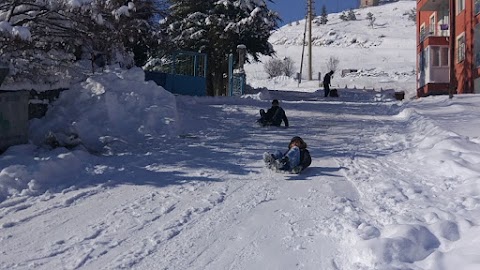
<point x="435" y="42"/>
<point x="368" y="3"/>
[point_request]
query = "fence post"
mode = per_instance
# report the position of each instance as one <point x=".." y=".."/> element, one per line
<point x="230" y="74"/>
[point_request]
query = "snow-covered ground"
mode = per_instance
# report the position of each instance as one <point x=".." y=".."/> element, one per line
<point x="172" y="182"/>
<point x="393" y="185"/>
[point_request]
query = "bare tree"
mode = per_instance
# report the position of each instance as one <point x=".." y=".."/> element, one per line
<point x="273" y="67"/>
<point x="332" y="63"/>
<point x="288" y="66"/>
<point x="276" y="67"/>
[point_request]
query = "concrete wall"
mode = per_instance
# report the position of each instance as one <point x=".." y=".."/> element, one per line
<point x="13" y="118"/>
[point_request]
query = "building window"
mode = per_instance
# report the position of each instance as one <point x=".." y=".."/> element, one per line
<point x="477" y="59"/>
<point x="460" y="5"/>
<point x="476" y="45"/>
<point x="439" y="56"/>
<point x="421" y="61"/>
<point x="461" y="48"/>
<point x="431" y="27"/>
<point x="477" y="55"/>
<point x="444" y="57"/>
<point x="435" y="56"/>
<point x="477" y="6"/>
<point x="422" y="32"/>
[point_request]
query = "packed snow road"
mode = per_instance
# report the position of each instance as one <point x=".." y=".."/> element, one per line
<point x="204" y="200"/>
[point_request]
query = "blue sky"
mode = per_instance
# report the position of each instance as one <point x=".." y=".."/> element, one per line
<point x="293" y="10"/>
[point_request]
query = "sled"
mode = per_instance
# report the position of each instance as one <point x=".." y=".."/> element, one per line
<point x="271" y="164"/>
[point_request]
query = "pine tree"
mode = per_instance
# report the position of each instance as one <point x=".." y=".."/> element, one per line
<point x="216" y="27"/>
<point x="61" y="32"/>
<point x="324" y="15"/>
<point x="351" y="15"/>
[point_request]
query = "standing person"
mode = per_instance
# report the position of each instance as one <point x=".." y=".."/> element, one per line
<point x="326" y="82"/>
<point x="295" y="159"/>
<point x="274" y="116"/>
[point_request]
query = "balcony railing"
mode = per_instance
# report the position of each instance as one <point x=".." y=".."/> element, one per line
<point x="442" y="31"/>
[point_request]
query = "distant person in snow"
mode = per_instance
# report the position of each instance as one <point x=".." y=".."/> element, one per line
<point x="326" y="82"/>
<point x="295" y="159"/>
<point x="274" y="116"/>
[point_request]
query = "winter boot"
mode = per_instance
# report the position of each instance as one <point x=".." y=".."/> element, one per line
<point x="268" y="158"/>
<point x="282" y="164"/>
<point x="297" y="169"/>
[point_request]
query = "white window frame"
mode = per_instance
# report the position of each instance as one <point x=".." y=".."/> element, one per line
<point x="439" y="59"/>
<point x="461" y="47"/>
<point x="423" y="32"/>
<point x="432" y="27"/>
<point x="460" y="5"/>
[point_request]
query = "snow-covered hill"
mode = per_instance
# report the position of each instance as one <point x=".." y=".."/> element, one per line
<point x="383" y="55"/>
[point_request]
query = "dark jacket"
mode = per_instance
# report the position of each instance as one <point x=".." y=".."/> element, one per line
<point x="327" y="78"/>
<point x="305" y="158"/>
<point x="278" y="115"/>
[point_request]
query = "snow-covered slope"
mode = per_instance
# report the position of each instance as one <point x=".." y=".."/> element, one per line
<point x="392" y="185"/>
<point x="180" y="183"/>
<point x="383" y="55"/>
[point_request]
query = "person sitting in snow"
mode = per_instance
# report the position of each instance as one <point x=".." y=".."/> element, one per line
<point x="296" y="159"/>
<point x="274" y="116"/>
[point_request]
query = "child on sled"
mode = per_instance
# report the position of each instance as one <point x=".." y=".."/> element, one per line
<point x="295" y="159"/>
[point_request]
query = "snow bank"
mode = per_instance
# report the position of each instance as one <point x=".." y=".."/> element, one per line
<point x="106" y="113"/>
<point x="118" y="106"/>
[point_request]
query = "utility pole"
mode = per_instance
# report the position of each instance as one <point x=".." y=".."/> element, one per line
<point x="452" y="86"/>
<point x="309" y="22"/>
<point x="303" y="52"/>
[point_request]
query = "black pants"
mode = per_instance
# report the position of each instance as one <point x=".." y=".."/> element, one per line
<point x="267" y="122"/>
<point x="326" y="87"/>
